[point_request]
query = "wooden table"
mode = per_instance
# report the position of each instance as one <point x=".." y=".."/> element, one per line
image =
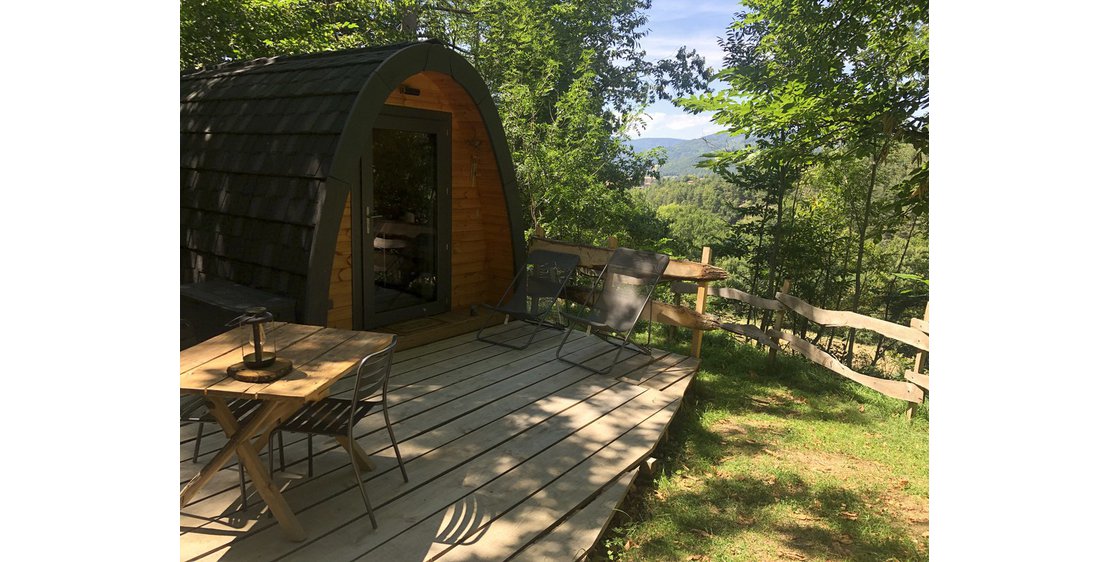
<point x="320" y="356"/>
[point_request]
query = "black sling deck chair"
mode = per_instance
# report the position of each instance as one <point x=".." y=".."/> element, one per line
<point x="532" y="294"/>
<point x="627" y="282"/>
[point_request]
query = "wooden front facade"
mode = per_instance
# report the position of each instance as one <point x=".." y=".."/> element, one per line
<point x="480" y="236"/>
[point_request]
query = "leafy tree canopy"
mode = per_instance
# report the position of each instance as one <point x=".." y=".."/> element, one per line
<point x="809" y="77"/>
<point x="569" y="77"/>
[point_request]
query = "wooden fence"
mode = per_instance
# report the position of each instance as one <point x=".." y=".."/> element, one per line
<point x="688" y="277"/>
<point x="912" y="389"/>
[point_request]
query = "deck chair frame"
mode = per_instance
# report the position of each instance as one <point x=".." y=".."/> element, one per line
<point x="538" y="315"/>
<point x="649" y="277"/>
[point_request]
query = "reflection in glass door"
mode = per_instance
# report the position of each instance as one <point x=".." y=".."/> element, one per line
<point x="407" y="218"/>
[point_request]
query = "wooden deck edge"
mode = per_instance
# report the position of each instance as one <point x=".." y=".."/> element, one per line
<point x="574" y="536"/>
<point x="564" y="540"/>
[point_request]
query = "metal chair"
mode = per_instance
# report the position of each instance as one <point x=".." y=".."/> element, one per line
<point x="194" y="409"/>
<point x="337" y="417"/>
<point x="627" y="282"/>
<point x="532" y="294"/>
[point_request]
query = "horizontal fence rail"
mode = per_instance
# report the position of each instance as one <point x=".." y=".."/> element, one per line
<point x="913" y="390"/>
<point x="691" y="278"/>
<point x="916" y="335"/>
<point x="595" y="258"/>
<point x="840" y="318"/>
<point x="731" y="294"/>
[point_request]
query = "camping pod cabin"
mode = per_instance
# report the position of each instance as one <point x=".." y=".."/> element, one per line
<point x="360" y="188"/>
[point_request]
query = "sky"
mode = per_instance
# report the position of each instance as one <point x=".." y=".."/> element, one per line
<point x="697" y="25"/>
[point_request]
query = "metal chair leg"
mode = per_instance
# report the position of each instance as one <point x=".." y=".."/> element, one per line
<point x="558" y="354"/>
<point x="242" y="485"/>
<point x="310" y="455"/>
<point x="393" y="438"/>
<point x="281" y="449"/>
<point x="196" y="446"/>
<point x="361" y="487"/>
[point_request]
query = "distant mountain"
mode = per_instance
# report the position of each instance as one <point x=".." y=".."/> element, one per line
<point x="683" y="155"/>
<point x="644" y="144"/>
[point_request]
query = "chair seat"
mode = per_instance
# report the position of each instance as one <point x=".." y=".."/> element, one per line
<point x="617" y="300"/>
<point x="585" y="320"/>
<point x="513" y="312"/>
<point x="328" y="416"/>
<point x="531" y="296"/>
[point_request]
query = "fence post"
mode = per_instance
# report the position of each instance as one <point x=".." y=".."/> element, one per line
<point x="670" y="329"/>
<point x="779" y="316"/>
<point x="699" y="304"/>
<point x="918" y="364"/>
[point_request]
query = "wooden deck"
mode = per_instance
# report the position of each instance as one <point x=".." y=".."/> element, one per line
<point x="510" y="454"/>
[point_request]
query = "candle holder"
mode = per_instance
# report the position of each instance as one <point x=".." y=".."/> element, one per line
<point x="259" y="351"/>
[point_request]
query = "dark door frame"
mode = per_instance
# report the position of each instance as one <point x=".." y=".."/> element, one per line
<point x="436" y="123"/>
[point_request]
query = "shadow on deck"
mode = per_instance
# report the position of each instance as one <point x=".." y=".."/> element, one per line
<point x="509" y="453"/>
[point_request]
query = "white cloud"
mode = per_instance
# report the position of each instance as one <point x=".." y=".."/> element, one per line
<point x="667" y="10"/>
<point x="665" y="46"/>
<point x="677" y="125"/>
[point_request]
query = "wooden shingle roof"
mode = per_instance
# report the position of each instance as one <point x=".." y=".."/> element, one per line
<point x="257" y="143"/>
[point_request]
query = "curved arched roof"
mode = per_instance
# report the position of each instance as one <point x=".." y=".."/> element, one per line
<point x="269" y="152"/>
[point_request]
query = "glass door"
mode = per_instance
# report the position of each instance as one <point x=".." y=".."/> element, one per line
<point x="407" y="217"/>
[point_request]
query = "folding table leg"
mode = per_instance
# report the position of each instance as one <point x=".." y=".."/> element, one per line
<point x="269" y="415"/>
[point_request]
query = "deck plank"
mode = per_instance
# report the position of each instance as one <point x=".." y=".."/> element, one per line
<point x="573" y="538"/>
<point x="433" y="390"/>
<point x="471" y="429"/>
<point x="528" y="519"/>
<point x="500" y="446"/>
<point x="543" y="424"/>
<point x="514" y="508"/>
<point x="339" y="523"/>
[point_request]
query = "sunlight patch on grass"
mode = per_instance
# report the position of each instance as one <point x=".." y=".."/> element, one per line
<point x="783" y="463"/>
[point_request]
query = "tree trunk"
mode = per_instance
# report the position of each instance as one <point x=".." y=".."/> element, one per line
<point x="890" y="289"/>
<point x="773" y="274"/>
<point x="817" y="337"/>
<point x="876" y="161"/>
<point x="754" y="287"/>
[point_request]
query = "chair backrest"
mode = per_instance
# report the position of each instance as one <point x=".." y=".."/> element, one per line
<point x="628" y="280"/>
<point x="542" y="280"/>
<point x="373" y="372"/>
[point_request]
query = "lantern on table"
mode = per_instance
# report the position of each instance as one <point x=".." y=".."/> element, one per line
<point x="258" y="349"/>
<point x="260" y="360"/>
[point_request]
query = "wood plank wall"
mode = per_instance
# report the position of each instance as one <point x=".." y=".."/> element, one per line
<point x="481" y="243"/>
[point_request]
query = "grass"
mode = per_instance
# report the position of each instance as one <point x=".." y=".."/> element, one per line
<point x="794" y="463"/>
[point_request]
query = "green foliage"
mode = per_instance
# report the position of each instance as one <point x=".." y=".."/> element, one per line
<point x="834" y="187"/>
<point x="711" y="194"/>
<point x="569" y="79"/>
<point x="801" y="464"/>
<point x="214" y="31"/>
<point x="809" y="77"/>
<point x="694" y="226"/>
